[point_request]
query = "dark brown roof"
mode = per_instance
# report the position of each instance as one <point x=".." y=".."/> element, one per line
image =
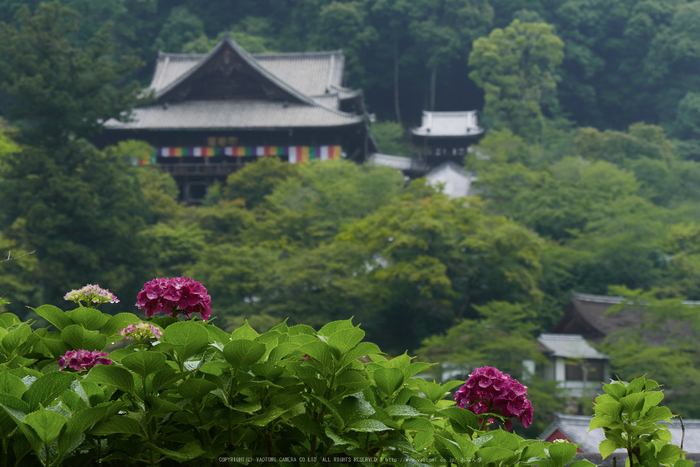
<point x="585" y="315"/>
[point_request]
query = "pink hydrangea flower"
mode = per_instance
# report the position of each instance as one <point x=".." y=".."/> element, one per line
<point x="489" y="390"/>
<point x="141" y="332"/>
<point x="83" y="359"/>
<point x="91" y="293"/>
<point x="174" y="296"/>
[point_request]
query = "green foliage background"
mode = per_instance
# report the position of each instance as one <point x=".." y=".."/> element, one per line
<point x="587" y="175"/>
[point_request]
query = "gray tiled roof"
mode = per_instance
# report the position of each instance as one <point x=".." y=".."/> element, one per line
<point x="448" y="124"/>
<point x="311" y="73"/>
<point x="587" y="315"/>
<point x="233" y="114"/>
<point x="575" y="427"/>
<point x="298" y="74"/>
<point x="569" y="346"/>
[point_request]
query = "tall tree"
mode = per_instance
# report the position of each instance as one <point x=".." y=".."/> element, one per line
<point x="517" y="68"/>
<point x="58" y="91"/>
<point x="444" y="31"/>
<point x="80" y="208"/>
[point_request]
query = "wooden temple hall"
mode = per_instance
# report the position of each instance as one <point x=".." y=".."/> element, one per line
<point x="213" y="113"/>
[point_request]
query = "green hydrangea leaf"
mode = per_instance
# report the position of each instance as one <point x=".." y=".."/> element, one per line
<point x="367" y="426"/>
<point x="89" y="318"/>
<point x="607" y="447"/>
<point x="46" y="423"/>
<point x="191" y="335"/>
<point x="79" y="338"/>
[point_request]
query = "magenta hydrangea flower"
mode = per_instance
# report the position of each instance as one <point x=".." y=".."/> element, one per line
<point x="489" y="390"/>
<point x="83" y="359"/>
<point x="174" y="296"/>
<point x="91" y="293"/>
<point x="141" y="332"/>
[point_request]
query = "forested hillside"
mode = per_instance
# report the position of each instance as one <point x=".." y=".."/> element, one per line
<point x="588" y="173"/>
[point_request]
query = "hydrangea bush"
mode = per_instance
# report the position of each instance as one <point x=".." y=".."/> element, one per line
<point x="197" y="395"/>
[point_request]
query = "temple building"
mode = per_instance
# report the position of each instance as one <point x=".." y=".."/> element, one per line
<point x="446" y="136"/>
<point x="212" y="113"/>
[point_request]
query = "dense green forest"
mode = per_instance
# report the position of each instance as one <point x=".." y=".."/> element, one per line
<point x="588" y="173"/>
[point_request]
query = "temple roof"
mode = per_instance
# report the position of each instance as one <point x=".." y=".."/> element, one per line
<point x="233" y="114"/>
<point x="586" y="315"/>
<point x="229" y="88"/>
<point x="569" y="346"/>
<point x="448" y="124"/>
<point x="311" y="73"/>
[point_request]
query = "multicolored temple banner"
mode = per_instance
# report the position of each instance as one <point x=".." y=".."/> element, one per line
<point x="146" y="159"/>
<point x="296" y="154"/>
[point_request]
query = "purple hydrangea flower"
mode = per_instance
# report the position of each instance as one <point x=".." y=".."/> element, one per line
<point x="91" y="293"/>
<point x="141" y="332"/>
<point x="83" y="359"/>
<point x="489" y="390"/>
<point x="174" y="296"/>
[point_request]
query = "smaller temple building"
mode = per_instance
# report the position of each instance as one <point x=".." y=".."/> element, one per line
<point x="212" y="113"/>
<point x="446" y="136"/>
<point x="578" y="368"/>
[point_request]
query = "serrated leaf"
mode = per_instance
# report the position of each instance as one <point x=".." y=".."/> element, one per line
<point x="388" y="380"/>
<point x="582" y="463"/>
<point x="651" y="399"/>
<point x="244" y="332"/>
<point x="320" y="352"/>
<point x="11" y="384"/>
<point x="562" y="453"/>
<point x="79" y="338"/>
<point x="195" y="388"/>
<point x="462" y="420"/>
<point x="47" y="388"/>
<point x="367" y="426"/>
<point x="418" y="424"/>
<point x="111" y="376"/>
<point x="241" y="352"/>
<point x="77" y="424"/>
<point x="46" y="424"/>
<point x="490" y="454"/>
<point x="191" y="335"/>
<point x="214" y="367"/>
<point x="344" y="340"/>
<point x="616" y="390"/>
<point x="607" y="447"/>
<point x="339" y="440"/>
<point x="89" y="318"/>
<point x="335" y="326"/>
<point x="55" y="316"/>
<point x="402" y="410"/>
<point x="668" y="454"/>
<point x="15" y="337"/>
<point x="144" y="363"/>
<point x="119" y="424"/>
<point x="8" y="319"/>
<point x="118" y="322"/>
<point x="360" y="350"/>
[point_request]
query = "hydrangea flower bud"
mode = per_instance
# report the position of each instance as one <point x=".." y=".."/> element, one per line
<point x="141" y="332"/>
<point x="91" y="293"/>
